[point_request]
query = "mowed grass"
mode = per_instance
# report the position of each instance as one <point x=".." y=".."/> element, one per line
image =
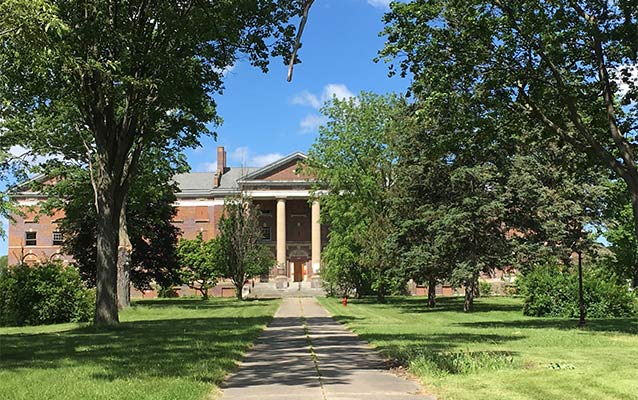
<point x="496" y="352"/>
<point x="162" y="349"/>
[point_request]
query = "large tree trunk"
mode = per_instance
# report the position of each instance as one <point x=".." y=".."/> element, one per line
<point x="431" y="292"/>
<point x="238" y="291"/>
<point x="123" y="263"/>
<point x="108" y="221"/>
<point x="468" y="304"/>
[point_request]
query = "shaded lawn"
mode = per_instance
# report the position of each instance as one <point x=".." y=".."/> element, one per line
<point x="162" y="349"/>
<point x="498" y="353"/>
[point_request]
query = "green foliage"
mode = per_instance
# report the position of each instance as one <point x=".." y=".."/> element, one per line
<point x="620" y="233"/>
<point x="107" y="90"/>
<point x="551" y="291"/>
<point x="243" y="256"/>
<point x="556" y="72"/>
<point x="460" y="362"/>
<point x="485" y="288"/>
<point x="149" y="214"/>
<point x="43" y="294"/>
<point x="352" y="160"/>
<point x="167" y="292"/>
<point x="201" y="263"/>
<point x="4" y="262"/>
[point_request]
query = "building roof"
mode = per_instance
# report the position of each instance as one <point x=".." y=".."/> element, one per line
<point x="265" y="170"/>
<point x="201" y="184"/>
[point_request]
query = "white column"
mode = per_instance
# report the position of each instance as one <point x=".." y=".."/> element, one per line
<point x="281" y="232"/>
<point x="316" y="238"/>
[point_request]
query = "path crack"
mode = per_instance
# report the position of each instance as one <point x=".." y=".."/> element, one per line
<point x="313" y="355"/>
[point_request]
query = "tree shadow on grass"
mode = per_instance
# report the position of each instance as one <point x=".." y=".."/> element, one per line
<point x="443" y="304"/>
<point x="198" y="303"/>
<point x="203" y="349"/>
<point x="622" y="325"/>
<point x="392" y="343"/>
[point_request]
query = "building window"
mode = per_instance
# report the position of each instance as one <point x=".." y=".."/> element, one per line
<point x="265" y="233"/>
<point x="57" y="238"/>
<point x="30" y="239"/>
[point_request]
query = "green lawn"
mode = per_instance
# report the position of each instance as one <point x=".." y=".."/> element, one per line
<point x="496" y="352"/>
<point x="163" y="349"/>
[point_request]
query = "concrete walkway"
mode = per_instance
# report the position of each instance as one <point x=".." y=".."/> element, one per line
<point x="305" y="355"/>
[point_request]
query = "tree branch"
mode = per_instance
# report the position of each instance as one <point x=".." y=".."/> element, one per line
<point x="297" y="44"/>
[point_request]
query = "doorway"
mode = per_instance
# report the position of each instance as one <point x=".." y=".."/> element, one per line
<point x="298" y="271"/>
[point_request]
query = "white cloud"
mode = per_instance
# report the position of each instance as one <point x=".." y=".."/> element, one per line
<point x="306" y="98"/>
<point x="311" y="122"/>
<point x="208" y="167"/>
<point x="243" y="156"/>
<point x="338" y="90"/>
<point x="225" y="71"/>
<point x="239" y="155"/>
<point x="32" y="159"/>
<point x="383" y="4"/>
<point x="265" y="159"/>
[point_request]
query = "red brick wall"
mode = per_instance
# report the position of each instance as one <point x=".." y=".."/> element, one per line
<point x="195" y="219"/>
<point x="287" y="173"/>
<point x="43" y="226"/>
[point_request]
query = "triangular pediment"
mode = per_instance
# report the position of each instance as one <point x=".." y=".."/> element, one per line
<point x="285" y="169"/>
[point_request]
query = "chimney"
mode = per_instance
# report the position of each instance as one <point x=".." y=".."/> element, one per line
<point x="221" y="160"/>
<point x="221" y="166"/>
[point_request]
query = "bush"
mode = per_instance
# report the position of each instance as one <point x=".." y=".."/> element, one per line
<point x="167" y="292"/>
<point x="43" y="294"/>
<point x="552" y="292"/>
<point x="485" y="288"/>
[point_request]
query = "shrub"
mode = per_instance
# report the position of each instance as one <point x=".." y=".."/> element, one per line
<point x="44" y="294"/>
<point x="485" y="288"/>
<point x="167" y="292"/>
<point x="552" y="292"/>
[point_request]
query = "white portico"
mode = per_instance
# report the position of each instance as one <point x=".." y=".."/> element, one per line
<point x="289" y="218"/>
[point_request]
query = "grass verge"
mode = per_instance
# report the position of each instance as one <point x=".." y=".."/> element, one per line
<point x="496" y="352"/>
<point x="162" y="349"/>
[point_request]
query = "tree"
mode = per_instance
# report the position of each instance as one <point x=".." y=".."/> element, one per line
<point x="353" y="165"/>
<point x="201" y="263"/>
<point x="620" y="233"/>
<point x="240" y="236"/>
<point x="4" y="262"/>
<point x="24" y="26"/>
<point x="567" y="65"/>
<point x="418" y="199"/>
<point x="110" y="90"/>
<point x="148" y="222"/>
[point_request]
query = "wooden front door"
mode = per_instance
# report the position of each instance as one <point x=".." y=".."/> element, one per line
<point x="298" y="271"/>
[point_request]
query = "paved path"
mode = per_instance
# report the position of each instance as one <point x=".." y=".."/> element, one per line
<point x="305" y="355"/>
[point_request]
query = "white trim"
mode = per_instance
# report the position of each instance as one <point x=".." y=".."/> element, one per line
<point x="29" y="203"/>
<point x="199" y="203"/>
<point x="279" y="194"/>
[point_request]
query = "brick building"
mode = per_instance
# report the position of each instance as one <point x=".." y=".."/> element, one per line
<point x="290" y="223"/>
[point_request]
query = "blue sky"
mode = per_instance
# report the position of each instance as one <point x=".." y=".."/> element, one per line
<point x="266" y="117"/>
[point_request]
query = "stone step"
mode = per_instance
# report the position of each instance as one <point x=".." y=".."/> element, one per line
<point x="296" y="289"/>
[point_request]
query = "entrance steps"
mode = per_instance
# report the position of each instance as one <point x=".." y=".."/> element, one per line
<point x="269" y="290"/>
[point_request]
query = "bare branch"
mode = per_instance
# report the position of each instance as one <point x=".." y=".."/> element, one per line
<point x="295" y="49"/>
